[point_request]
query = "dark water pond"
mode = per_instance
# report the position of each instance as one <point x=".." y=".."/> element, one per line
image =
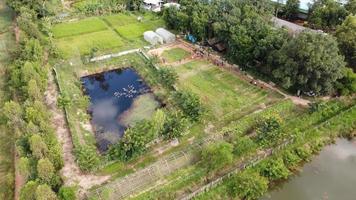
<point x="330" y="176"/>
<point x="112" y="93"/>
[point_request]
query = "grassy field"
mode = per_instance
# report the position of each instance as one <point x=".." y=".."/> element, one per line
<point x="111" y="33"/>
<point x="101" y="40"/>
<point x="6" y="140"/>
<point x="223" y="93"/>
<point x="175" y="54"/>
<point x="88" y="25"/>
<point x="136" y="30"/>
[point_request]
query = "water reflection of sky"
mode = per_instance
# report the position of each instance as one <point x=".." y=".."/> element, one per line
<point x="106" y="107"/>
<point x="330" y="175"/>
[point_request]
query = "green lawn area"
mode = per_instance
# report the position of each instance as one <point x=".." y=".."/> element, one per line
<point x="136" y="30"/>
<point x="83" y="44"/>
<point x="88" y="25"/>
<point x="222" y="92"/>
<point x="120" y="19"/>
<point x="175" y="54"/>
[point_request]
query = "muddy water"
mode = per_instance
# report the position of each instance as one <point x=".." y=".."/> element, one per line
<point x="111" y="94"/>
<point x="330" y="176"/>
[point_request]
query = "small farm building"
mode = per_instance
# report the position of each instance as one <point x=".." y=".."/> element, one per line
<point x="153" y="5"/>
<point x="152" y="37"/>
<point x="167" y="36"/>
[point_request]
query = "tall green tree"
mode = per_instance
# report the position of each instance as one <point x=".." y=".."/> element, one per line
<point x="326" y="14"/>
<point x="291" y="9"/>
<point x="309" y="62"/>
<point x="346" y="37"/>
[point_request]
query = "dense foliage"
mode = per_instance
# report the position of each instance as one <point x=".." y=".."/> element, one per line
<point x="27" y="115"/>
<point x="216" y="156"/>
<point x="247" y="185"/>
<point x="307" y="62"/>
<point x="189" y="103"/>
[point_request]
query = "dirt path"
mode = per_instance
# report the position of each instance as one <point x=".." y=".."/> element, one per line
<point x="70" y="172"/>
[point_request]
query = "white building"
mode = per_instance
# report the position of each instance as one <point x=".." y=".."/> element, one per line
<point x="153" y="5"/>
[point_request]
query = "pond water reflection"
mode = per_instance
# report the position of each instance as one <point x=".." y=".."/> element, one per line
<point x="112" y="93"/>
<point x="330" y="176"/>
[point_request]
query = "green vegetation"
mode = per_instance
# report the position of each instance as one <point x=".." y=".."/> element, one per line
<point x="6" y="136"/>
<point x="88" y="25"/>
<point x="102" y="41"/>
<point x="175" y="54"/>
<point x="136" y="30"/>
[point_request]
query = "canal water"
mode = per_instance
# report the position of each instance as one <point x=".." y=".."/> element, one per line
<point x="330" y="176"/>
<point x="111" y="94"/>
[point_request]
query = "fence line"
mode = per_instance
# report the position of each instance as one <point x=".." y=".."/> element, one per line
<point x="241" y="166"/>
<point x="143" y="179"/>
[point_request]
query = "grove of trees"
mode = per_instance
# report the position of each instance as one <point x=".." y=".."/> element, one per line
<point x="310" y="61"/>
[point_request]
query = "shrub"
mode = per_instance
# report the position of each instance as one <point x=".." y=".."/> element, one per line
<point x="304" y="152"/>
<point x="247" y="185"/>
<point x="28" y="191"/>
<point x="215" y="156"/>
<point x="243" y="145"/>
<point x="174" y="125"/>
<point x="189" y="103"/>
<point x="133" y="142"/>
<point x="291" y="159"/>
<point x="268" y="129"/>
<point x="274" y="169"/>
<point x="168" y="77"/>
<point x="67" y="193"/>
<point x="44" y="192"/>
<point x="87" y="157"/>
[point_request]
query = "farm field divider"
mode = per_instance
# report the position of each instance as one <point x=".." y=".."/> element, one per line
<point x="350" y="112"/>
<point x="145" y="178"/>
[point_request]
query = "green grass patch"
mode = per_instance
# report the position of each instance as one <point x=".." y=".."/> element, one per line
<point x="136" y="30"/>
<point x="175" y="54"/>
<point x="88" y="25"/>
<point x="222" y="92"/>
<point x="120" y="19"/>
<point x="83" y="44"/>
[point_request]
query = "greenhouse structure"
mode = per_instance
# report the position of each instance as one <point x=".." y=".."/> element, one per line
<point x="167" y="36"/>
<point x="152" y="37"/>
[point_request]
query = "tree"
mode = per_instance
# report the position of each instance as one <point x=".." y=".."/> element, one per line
<point x="174" y="125"/>
<point x="87" y="157"/>
<point x="309" y="62"/>
<point x="274" y="169"/>
<point x="347" y="85"/>
<point x="326" y="14"/>
<point x="168" y="77"/>
<point x="346" y="37"/>
<point x="12" y="113"/>
<point x="351" y="7"/>
<point x="33" y="91"/>
<point x="38" y="146"/>
<point x="45" y="170"/>
<point x="44" y="192"/>
<point x="24" y="167"/>
<point x="28" y="191"/>
<point x="67" y="193"/>
<point x="216" y="156"/>
<point x="189" y="103"/>
<point x="247" y="185"/>
<point x="133" y="142"/>
<point x="291" y="9"/>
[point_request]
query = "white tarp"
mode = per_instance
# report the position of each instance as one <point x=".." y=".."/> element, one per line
<point x="167" y="36"/>
<point x="153" y="38"/>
